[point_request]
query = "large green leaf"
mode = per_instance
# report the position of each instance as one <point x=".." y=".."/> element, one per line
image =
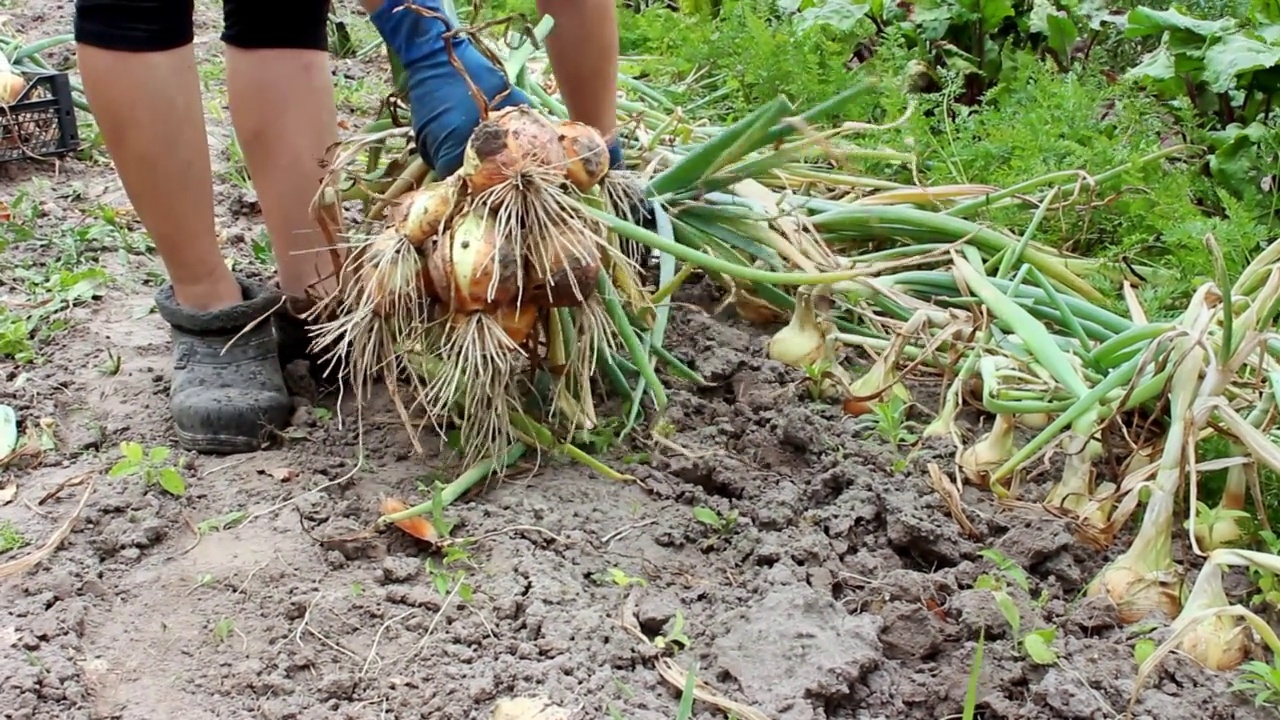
<point x="1234" y="164"/>
<point x="1157" y="65"/>
<point x="842" y="15"/>
<point x="1233" y="56"/>
<point x="990" y="12"/>
<point x="1144" y="21"/>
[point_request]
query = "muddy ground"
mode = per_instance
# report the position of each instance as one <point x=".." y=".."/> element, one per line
<point x="844" y="591"/>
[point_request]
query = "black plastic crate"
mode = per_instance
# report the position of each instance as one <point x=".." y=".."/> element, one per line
<point x="43" y="121"/>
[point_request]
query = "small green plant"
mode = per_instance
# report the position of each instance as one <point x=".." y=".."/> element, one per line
<point x="815" y="375"/>
<point x="1036" y="644"/>
<point x="1262" y="681"/>
<point x="223" y="629"/>
<point x="675" y="640"/>
<point x="1268" y="584"/>
<point x="970" y="711"/>
<point x="11" y="538"/>
<point x="221" y="522"/>
<point x="448" y="574"/>
<point x="619" y="577"/>
<point x="1142" y="650"/>
<point x="721" y="525"/>
<point x="151" y="465"/>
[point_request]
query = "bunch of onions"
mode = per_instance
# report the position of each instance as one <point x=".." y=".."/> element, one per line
<point x="471" y="271"/>
<point x="1208" y="629"/>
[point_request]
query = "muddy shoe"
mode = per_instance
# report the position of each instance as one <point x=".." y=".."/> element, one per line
<point x="226" y="396"/>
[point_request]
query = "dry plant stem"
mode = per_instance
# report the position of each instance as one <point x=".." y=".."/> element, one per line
<point x="27" y="562"/>
<point x="474" y="381"/>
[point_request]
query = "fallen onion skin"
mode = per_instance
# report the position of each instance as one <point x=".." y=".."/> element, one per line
<point x="586" y="152"/>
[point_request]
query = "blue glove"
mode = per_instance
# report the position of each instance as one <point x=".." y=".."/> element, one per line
<point x="443" y="109"/>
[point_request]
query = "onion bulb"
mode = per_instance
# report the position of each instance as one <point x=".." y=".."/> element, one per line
<point x="803" y="342"/>
<point x="1216" y="642"/>
<point x="1144" y="579"/>
<point x="993" y="450"/>
<point x="388" y="272"/>
<point x="510" y="142"/>
<point x="1035" y="421"/>
<point x="572" y="265"/>
<point x="12" y="84"/>
<point x="518" y="321"/>
<point x="471" y="268"/>
<point x="586" y="152"/>
<point x="420" y="214"/>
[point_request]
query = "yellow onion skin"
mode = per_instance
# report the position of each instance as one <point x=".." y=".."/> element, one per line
<point x="1218" y="644"/>
<point x="468" y="262"/>
<point x="511" y="141"/>
<point x="420" y="214"/>
<point x="392" y="283"/>
<point x="1135" y="595"/>
<point x="12" y="86"/>
<point x="517" y="321"/>
<point x="577" y="265"/>
<point x="586" y="152"/>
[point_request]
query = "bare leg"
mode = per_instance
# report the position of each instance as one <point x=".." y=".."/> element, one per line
<point x="148" y="108"/>
<point x="583" y="49"/>
<point x="282" y="107"/>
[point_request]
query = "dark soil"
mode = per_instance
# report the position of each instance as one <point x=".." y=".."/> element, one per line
<point x="843" y="592"/>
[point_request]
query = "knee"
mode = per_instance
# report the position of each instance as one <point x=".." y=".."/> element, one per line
<point x="134" y="25"/>
<point x="281" y="25"/>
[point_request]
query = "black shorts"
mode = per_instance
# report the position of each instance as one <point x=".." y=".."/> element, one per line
<point x="157" y="25"/>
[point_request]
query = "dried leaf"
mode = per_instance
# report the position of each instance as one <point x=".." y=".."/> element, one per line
<point x="8" y="493"/>
<point x="417" y="526"/>
<point x="284" y="474"/>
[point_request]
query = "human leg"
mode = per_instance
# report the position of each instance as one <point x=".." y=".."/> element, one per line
<point x="138" y="66"/>
<point x="283" y="111"/>
<point x="282" y="107"/>
<point x="583" y="50"/>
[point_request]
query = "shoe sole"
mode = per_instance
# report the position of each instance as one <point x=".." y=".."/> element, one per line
<point x="218" y="444"/>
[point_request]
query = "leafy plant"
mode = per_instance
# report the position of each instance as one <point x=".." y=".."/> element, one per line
<point x="1227" y="71"/>
<point x="151" y="465"/>
<point x="1262" y="681"/>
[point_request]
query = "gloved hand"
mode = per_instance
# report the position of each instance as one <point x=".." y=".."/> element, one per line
<point x="443" y="109"/>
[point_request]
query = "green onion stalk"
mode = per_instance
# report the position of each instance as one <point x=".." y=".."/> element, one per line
<point x="1144" y="579"/>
